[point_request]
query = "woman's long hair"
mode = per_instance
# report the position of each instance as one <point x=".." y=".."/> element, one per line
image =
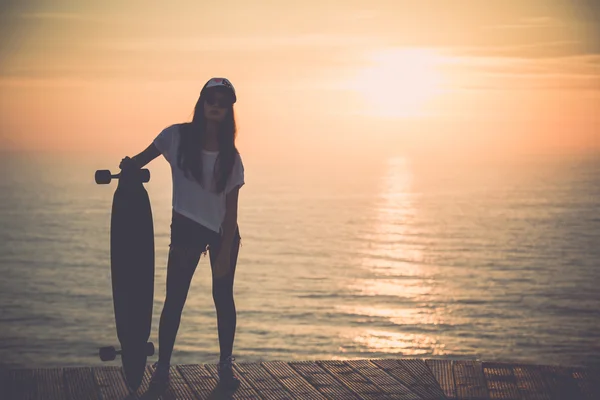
<point x="192" y="136"/>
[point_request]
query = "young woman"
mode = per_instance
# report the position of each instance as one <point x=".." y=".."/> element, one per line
<point x="207" y="173"/>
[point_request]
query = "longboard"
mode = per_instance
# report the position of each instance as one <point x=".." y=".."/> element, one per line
<point x="132" y="271"/>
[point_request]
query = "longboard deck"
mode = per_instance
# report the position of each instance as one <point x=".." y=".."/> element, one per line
<point x="132" y="272"/>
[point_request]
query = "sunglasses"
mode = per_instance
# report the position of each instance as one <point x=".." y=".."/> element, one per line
<point x="221" y="102"/>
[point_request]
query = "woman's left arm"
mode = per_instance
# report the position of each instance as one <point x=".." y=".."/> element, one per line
<point x="229" y="228"/>
<point x="230" y="222"/>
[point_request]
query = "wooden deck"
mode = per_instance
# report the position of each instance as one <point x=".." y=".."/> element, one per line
<point x="412" y="379"/>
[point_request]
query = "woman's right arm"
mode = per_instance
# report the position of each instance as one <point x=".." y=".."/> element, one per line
<point x="149" y="154"/>
<point x="140" y="160"/>
<point x="162" y="144"/>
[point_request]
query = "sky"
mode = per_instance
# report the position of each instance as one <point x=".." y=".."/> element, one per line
<point x="329" y="78"/>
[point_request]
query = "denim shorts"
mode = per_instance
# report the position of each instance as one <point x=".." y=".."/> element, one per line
<point x="190" y="235"/>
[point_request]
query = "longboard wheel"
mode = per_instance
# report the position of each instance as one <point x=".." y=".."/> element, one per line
<point x="107" y="353"/>
<point x="149" y="349"/>
<point x="103" y="176"/>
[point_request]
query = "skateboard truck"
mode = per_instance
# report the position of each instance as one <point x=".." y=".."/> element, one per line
<point x="104" y="176"/>
<point x="109" y="353"/>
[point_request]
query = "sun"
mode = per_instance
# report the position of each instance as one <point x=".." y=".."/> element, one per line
<point x="399" y="82"/>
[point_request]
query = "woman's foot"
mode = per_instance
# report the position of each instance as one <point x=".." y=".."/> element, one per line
<point x="160" y="376"/>
<point x="227" y="380"/>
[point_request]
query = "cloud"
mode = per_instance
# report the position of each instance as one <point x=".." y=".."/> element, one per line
<point x="531" y="23"/>
<point x="539" y="50"/>
<point x="58" y="16"/>
<point x="244" y="43"/>
<point x="580" y="72"/>
<point x="579" y="64"/>
<point x="535" y="82"/>
<point x="144" y="58"/>
<point x="584" y="10"/>
<point x="357" y="15"/>
<point x="573" y="20"/>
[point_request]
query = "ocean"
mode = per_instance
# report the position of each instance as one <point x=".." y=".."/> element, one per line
<point x="401" y="259"/>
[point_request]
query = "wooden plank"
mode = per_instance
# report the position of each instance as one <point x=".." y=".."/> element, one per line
<point x="409" y="379"/>
<point x="292" y="381"/>
<point x="561" y="383"/>
<point x="530" y="382"/>
<point x="21" y="384"/>
<point x="262" y="381"/>
<point x="359" y="384"/>
<point x="110" y="382"/>
<point x="398" y="371"/>
<point x="387" y="383"/>
<point x="326" y="384"/>
<point x="245" y="391"/>
<point x="50" y="384"/>
<point x="199" y="380"/>
<point x="442" y="371"/>
<point x="501" y="381"/>
<point x="424" y="376"/>
<point x="146" y="380"/>
<point x="469" y="380"/>
<point x="142" y="391"/>
<point x="4" y="383"/>
<point x="80" y="384"/>
<point x="178" y="387"/>
<point x="588" y="382"/>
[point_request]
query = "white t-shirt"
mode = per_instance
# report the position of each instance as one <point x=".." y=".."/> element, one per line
<point x="189" y="197"/>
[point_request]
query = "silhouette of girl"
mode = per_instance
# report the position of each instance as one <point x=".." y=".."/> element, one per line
<point x="207" y="173"/>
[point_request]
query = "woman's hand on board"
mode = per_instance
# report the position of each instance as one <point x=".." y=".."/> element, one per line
<point x="128" y="163"/>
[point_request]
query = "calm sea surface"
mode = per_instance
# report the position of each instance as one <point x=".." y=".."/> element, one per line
<point x="394" y="260"/>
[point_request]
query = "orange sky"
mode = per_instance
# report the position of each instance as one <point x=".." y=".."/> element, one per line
<point x="438" y="77"/>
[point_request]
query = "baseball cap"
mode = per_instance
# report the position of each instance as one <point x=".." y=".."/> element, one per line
<point x="219" y="82"/>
